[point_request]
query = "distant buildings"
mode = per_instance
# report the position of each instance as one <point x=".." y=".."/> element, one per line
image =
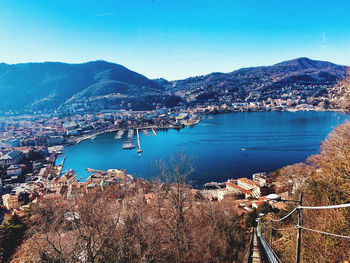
<point x="65" y="180"/>
<point x="11" y="201"/>
<point x="262" y="178"/>
<point x="13" y="157"/>
<point x="256" y="189"/>
<point x="14" y="170"/>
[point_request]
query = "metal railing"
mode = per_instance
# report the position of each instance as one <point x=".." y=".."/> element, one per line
<point x="266" y="250"/>
<point x="251" y="246"/>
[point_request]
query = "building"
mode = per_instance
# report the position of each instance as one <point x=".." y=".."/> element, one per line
<point x="11" y="201"/>
<point x="230" y="186"/>
<point x="65" y="180"/>
<point x="261" y="190"/>
<point x="256" y="189"/>
<point x="14" y="170"/>
<point x="262" y="178"/>
<point x="55" y="140"/>
<point x="13" y="157"/>
<point x="41" y="140"/>
<point x="246" y="183"/>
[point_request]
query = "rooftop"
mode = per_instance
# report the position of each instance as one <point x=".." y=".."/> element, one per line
<point x="247" y="181"/>
<point x="10" y="155"/>
<point x="239" y="188"/>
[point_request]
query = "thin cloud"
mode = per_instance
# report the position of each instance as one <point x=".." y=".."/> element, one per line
<point x="105" y="14"/>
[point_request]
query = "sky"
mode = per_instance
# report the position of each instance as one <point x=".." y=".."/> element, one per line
<point x="175" y="39"/>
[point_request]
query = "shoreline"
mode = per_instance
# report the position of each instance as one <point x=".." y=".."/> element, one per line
<point x="82" y="138"/>
<point x="330" y="115"/>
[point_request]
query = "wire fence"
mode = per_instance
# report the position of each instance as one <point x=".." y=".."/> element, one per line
<point x="285" y="217"/>
<point x="305" y="228"/>
<point x="269" y="225"/>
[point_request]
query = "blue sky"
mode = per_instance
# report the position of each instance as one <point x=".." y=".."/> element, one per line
<point x="175" y="38"/>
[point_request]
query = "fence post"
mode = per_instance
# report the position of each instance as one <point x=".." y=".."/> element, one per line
<point x="300" y="223"/>
<point x="271" y="231"/>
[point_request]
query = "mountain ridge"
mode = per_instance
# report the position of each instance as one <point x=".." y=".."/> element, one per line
<point x="100" y="84"/>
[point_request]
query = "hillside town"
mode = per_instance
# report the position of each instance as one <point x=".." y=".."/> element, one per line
<point x="34" y="173"/>
<point x="39" y="129"/>
<point x="31" y="147"/>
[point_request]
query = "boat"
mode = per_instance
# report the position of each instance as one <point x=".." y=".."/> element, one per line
<point x="154" y="132"/>
<point x="191" y="122"/>
<point x="131" y="133"/>
<point x="211" y="185"/>
<point x="93" y="137"/>
<point x="139" y="150"/>
<point x="128" y="145"/>
<point x="243" y="149"/>
<point x="145" y="132"/>
<point x="119" y="135"/>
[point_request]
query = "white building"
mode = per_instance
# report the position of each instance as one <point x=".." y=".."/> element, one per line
<point x="13" y="157"/>
<point x="14" y="170"/>
<point x="262" y="178"/>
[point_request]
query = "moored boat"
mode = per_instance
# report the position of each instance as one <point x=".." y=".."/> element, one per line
<point x="131" y="133"/>
<point x="128" y="145"/>
<point x="119" y="135"/>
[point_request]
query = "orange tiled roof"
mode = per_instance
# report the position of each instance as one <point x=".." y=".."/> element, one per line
<point x="239" y="188"/>
<point x="247" y="181"/>
<point x="259" y="202"/>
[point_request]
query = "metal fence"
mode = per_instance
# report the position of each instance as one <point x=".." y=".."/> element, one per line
<point x="269" y="255"/>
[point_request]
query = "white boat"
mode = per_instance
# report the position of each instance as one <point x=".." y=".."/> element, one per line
<point x="154" y="132"/>
<point x="211" y="185"/>
<point x="139" y="150"/>
<point x="128" y="145"/>
<point x="119" y="135"/>
<point x="131" y="133"/>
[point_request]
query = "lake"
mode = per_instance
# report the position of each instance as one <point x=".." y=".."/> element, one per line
<point x="227" y="146"/>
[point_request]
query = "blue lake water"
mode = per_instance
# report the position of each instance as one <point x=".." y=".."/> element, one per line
<point x="271" y="140"/>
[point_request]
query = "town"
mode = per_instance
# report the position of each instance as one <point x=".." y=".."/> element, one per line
<point x="31" y="146"/>
<point x="32" y="162"/>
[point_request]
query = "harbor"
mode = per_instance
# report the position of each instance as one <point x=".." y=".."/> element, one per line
<point x="225" y="146"/>
<point x="146" y="130"/>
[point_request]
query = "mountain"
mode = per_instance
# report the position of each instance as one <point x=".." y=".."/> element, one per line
<point x="49" y="85"/>
<point x="100" y="85"/>
<point x="259" y="83"/>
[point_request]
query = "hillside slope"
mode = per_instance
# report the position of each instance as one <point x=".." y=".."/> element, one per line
<point x="47" y="85"/>
<point x="101" y="85"/>
<point x="261" y="83"/>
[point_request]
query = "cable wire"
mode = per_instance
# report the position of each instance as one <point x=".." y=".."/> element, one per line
<point x="281" y="219"/>
<point x="283" y="229"/>
<point x="325" y="207"/>
<point x="322" y="232"/>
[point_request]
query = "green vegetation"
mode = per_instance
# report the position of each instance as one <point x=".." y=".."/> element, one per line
<point x="11" y="234"/>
